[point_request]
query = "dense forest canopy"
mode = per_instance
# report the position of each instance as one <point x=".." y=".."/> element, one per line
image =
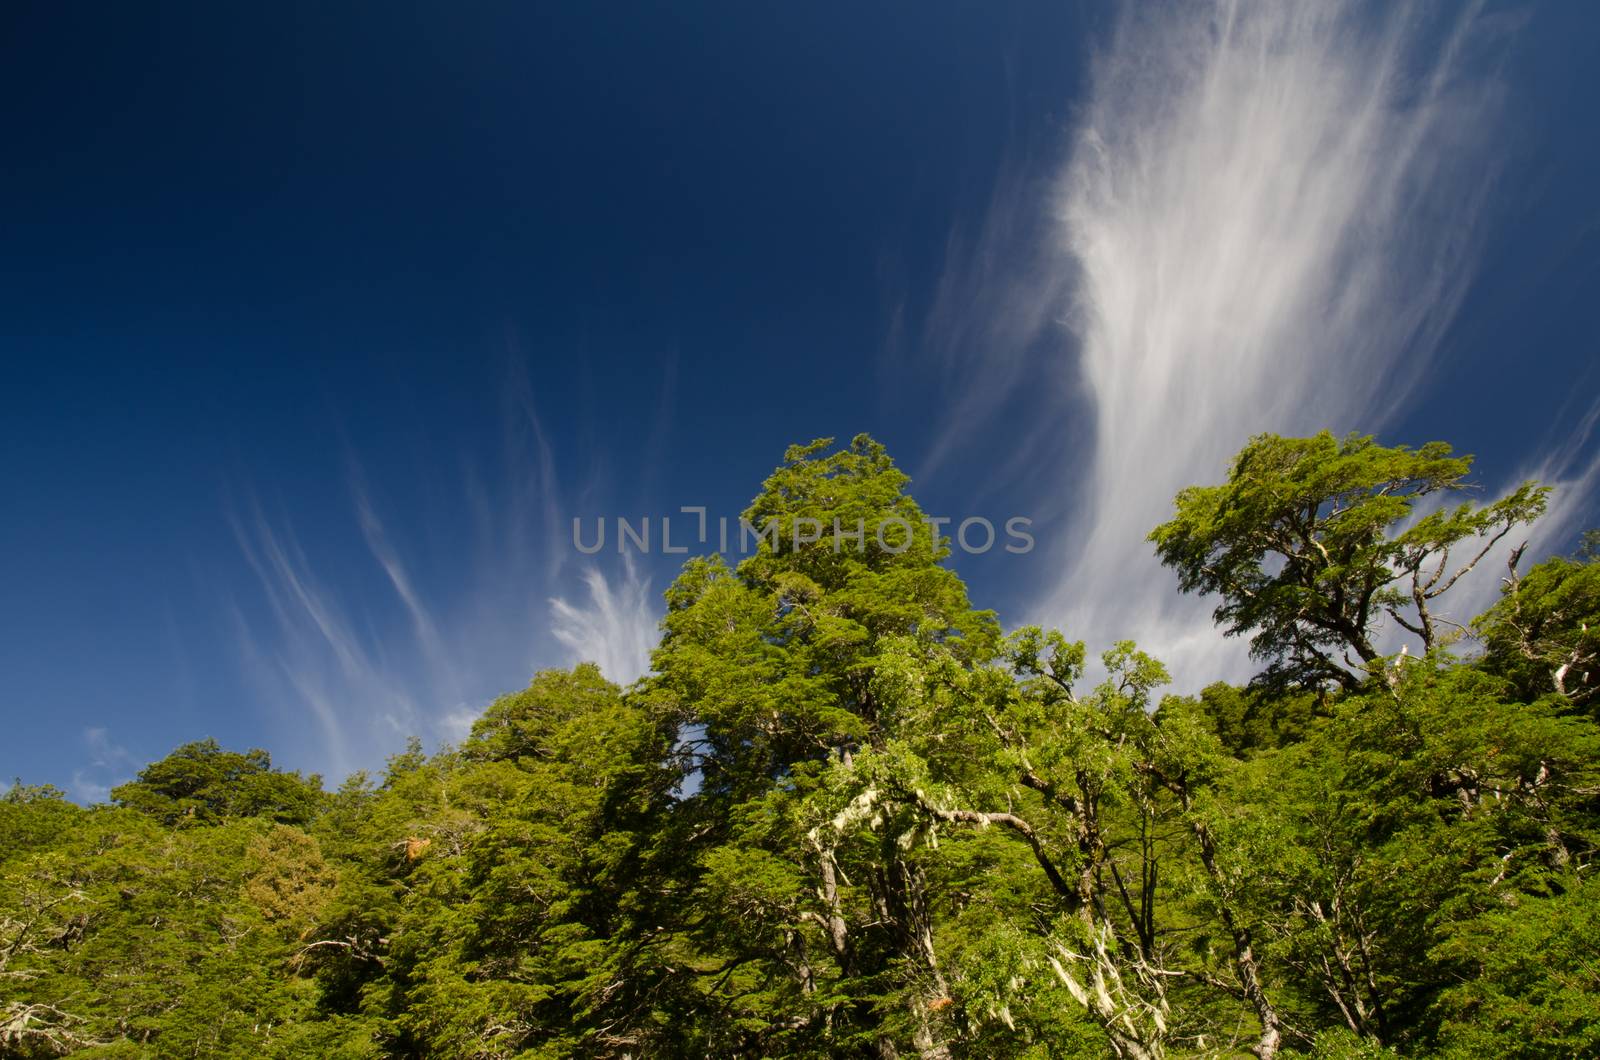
<point x="847" y="814"/>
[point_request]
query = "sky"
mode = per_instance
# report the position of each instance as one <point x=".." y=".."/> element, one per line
<point x="320" y="324"/>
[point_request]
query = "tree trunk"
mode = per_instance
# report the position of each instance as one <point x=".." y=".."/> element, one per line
<point x="1244" y="958"/>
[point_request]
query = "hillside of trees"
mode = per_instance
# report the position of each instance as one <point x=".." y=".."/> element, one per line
<point x="847" y="814"/>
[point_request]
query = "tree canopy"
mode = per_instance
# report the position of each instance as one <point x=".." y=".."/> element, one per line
<point x="1312" y="541"/>
<point x="847" y="814"/>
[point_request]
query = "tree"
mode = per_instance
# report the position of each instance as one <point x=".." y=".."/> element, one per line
<point x="1308" y="545"/>
<point x="846" y="817"/>
<point x="124" y="936"/>
<point x="1436" y="794"/>
<point x="1544" y="632"/>
<point x="769" y="673"/>
<point x="203" y="783"/>
<point x="487" y="903"/>
<point x="1527" y="979"/>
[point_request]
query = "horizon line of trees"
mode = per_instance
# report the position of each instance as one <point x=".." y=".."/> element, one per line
<point x="848" y="815"/>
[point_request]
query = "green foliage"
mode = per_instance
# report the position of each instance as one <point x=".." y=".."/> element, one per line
<point x="1400" y="824"/>
<point x="1254" y="719"/>
<point x="779" y="679"/>
<point x="203" y="784"/>
<point x="1529" y="977"/>
<point x="1307" y="546"/>
<point x="1544" y="632"/>
<point x="845" y="816"/>
<point x="124" y="938"/>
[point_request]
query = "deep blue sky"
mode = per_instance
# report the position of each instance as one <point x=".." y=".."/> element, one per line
<point x="476" y="270"/>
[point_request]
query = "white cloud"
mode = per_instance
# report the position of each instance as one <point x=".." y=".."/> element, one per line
<point x="457" y="614"/>
<point x="1269" y="217"/>
<point x="456" y="724"/>
<point x="368" y="672"/>
<point x="616" y="628"/>
<point x="310" y="651"/>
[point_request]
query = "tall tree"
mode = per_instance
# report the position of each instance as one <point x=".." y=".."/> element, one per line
<point x="1308" y="544"/>
<point x="769" y="672"/>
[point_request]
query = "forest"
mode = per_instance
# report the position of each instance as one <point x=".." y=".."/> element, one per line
<point x="849" y="814"/>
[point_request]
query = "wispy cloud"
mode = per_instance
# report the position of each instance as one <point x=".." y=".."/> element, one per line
<point x="309" y="651"/>
<point x="1267" y="211"/>
<point x="615" y="628"/>
<point x="108" y="764"/>
<point x="408" y="620"/>
<point x="1268" y="218"/>
<point x="1571" y="468"/>
<point x="993" y="324"/>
